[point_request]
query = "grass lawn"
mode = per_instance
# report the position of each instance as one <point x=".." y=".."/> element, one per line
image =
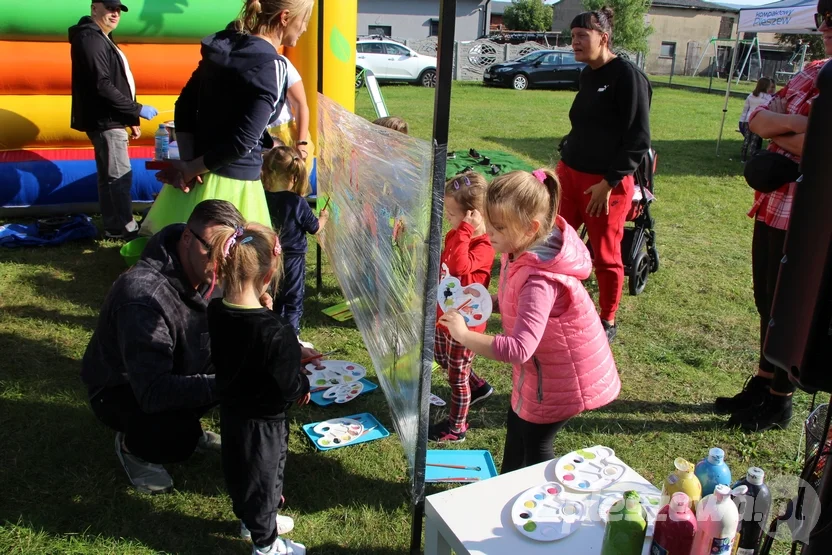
<point x="719" y="84"/>
<point x="692" y="335"/>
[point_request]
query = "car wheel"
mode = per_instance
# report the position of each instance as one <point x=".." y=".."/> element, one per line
<point x="359" y="77"/>
<point x="520" y="82"/>
<point x="428" y="78"/>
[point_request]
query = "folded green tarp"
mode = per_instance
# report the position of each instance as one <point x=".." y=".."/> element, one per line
<point x="148" y="21"/>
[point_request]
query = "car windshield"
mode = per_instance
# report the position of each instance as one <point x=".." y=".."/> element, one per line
<point x="530" y="57"/>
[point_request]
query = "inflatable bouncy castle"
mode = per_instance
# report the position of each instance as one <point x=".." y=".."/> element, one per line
<point x="47" y="167"/>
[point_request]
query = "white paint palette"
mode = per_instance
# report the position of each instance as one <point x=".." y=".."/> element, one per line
<point x="436" y="400"/>
<point x="338" y="431"/>
<point x="472" y="301"/>
<point x="344" y="393"/>
<point x="333" y="372"/>
<point x="588" y="470"/>
<point x="651" y="503"/>
<point x="545" y="513"/>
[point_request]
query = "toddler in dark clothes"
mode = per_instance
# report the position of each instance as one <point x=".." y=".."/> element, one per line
<point x="285" y="180"/>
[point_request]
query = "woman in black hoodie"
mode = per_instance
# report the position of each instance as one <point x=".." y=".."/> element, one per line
<point x="224" y="111"/>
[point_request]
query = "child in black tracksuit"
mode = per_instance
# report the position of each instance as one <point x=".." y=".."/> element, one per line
<point x="256" y="359"/>
<point x="284" y="178"/>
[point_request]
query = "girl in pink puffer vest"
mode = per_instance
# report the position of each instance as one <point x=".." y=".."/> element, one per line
<point x="561" y="361"/>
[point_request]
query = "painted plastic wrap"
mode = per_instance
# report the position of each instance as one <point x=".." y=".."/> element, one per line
<point x="379" y="185"/>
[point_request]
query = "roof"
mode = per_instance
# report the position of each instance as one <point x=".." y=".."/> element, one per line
<point x="694" y="5"/>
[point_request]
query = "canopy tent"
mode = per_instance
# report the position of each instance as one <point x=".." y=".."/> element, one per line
<point x="784" y="17"/>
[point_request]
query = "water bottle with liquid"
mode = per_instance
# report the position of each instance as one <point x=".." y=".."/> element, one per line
<point x="713" y="471"/>
<point x="162" y="140"/>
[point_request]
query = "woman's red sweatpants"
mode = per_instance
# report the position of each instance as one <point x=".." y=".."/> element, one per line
<point x="605" y="231"/>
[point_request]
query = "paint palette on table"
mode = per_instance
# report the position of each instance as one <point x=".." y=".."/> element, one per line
<point x="651" y="503"/>
<point x="318" y="397"/>
<point x="472" y="301"/>
<point x="546" y="513"/>
<point x="323" y="434"/>
<point x="344" y="393"/>
<point x="590" y="469"/>
<point x="332" y="373"/>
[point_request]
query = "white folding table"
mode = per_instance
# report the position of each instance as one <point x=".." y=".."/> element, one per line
<point x="476" y="519"/>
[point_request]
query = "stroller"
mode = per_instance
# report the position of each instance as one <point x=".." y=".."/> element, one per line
<point x="638" y="246"/>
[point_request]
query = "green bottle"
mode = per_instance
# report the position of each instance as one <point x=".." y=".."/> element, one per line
<point x="626" y="527"/>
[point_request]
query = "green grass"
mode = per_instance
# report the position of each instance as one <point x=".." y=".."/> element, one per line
<point x="718" y="84"/>
<point x="692" y="335"/>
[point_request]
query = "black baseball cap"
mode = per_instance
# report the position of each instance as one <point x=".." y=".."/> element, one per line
<point x="111" y="4"/>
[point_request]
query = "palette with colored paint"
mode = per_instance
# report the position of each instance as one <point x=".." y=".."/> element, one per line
<point x="472" y="301"/>
<point x="338" y="431"/>
<point x="651" y="503"/>
<point x="345" y="392"/>
<point x="589" y="469"/>
<point x="334" y="372"/>
<point x="544" y="513"/>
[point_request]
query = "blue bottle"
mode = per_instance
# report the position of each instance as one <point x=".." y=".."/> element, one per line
<point x="713" y="471"/>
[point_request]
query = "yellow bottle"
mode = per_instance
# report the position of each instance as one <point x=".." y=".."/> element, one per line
<point x="682" y="479"/>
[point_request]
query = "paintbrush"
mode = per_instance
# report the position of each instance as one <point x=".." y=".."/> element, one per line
<point x="456" y="466"/>
<point x="367" y="431"/>
<point x="463" y="305"/>
<point x="326" y="204"/>
<point x="456" y="479"/>
<point x="307" y="360"/>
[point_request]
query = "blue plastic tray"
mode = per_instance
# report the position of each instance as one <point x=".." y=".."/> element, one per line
<point x="480" y="458"/>
<point x="318" y="396"/>
<point x="367" y="419"/>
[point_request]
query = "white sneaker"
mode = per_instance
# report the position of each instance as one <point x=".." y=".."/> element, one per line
<point x="145" y="477"/>
<point x="209" y="442"/>
<point x="305" y="344"/>
<point x="285" y="524"/>
<point x="280" y="547"/>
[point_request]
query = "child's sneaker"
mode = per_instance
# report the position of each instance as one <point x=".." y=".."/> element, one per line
<point x="285" y="524"/>
<point x="482" y="393"/>
<point x="442" y="433"/>
<point x="280" y="547"/>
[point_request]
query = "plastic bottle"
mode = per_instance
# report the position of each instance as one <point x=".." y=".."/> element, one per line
<point x="713" y="471"/>
<point x="682" y="479"/>
<point x="162" y="138"/>
<point x="675" y="527"/>
<point x="754" y="507"/>
<point x="717" y="518"/>
<point x="626" y="527"/>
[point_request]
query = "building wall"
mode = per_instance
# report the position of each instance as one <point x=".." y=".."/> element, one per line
<point x="411" y="19"/>
<point x="563" y="14"/>
<point x="690" y="30"/>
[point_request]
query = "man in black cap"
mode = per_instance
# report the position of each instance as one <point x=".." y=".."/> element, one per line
<point x="104" y="105"/>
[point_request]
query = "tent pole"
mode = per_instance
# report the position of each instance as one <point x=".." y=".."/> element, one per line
<point x="728" y="90"/>
<point x="441" y="123"/>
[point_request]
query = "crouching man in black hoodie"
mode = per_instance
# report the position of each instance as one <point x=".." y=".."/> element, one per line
<point x="103" y="105"/>
<point x="147" y="367"/>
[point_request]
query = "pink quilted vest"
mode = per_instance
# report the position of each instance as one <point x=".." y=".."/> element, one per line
<point x="572" y="369"/>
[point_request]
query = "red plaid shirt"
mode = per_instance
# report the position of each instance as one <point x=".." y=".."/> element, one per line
<point x="775" y="209"/>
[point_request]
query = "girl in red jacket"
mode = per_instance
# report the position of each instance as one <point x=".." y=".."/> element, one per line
<point x="561" y="361"/>
<point x="468" y="256"/>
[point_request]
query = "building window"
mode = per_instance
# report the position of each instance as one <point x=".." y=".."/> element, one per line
<point x="383" y="30"/>
<point x="667" y="50"/>
<point x="434" y="28"/>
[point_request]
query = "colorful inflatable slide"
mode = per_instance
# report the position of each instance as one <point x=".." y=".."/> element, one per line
<point x="46" y="167"/>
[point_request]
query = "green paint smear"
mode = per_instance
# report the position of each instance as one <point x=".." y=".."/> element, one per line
<point x="340" y="46"/>
<point x="586" y="454"/>
<point x="530" y="526"/>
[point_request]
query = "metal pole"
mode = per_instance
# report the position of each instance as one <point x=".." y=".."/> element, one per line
<point x="713" y="69"/>
<point x="441" y="121"/>
<point x="672" y="68"/>
<point x="319" y="279"/>
<point x="727" y="92"/>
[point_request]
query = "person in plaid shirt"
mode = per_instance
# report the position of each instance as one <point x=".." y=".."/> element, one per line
<point x="766" y="400"/>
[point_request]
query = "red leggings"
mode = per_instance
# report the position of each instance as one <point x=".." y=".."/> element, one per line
<point x="605" y="231"/>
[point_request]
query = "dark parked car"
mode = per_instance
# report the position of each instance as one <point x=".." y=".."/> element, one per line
<point x="542" y="68"/>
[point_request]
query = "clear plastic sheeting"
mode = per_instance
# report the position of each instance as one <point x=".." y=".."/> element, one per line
<point x="379" y="185"/>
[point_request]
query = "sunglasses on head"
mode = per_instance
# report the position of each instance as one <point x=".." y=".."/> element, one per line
<point x="460" y="181"/>
<point x="821" y="18"/>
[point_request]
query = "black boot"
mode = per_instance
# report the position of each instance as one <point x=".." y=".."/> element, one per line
<point x="774" y="412"/>
<point x="611" y="331"/>
<point x="752" y="394"/>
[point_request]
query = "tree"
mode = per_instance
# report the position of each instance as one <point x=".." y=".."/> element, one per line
<point x="815" y="51"/>
<point x="528" y="15"/>
<point x="630" y="27"/>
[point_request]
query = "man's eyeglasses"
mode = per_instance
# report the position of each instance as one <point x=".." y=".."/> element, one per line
<point x="820" y="18"/>
<point x="201" y="240"/>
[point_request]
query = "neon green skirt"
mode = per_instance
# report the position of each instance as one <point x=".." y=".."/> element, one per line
<point x="172" y="206"/>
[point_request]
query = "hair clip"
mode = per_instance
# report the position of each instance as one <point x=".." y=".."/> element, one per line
<point x="246" y="240"/>
<point x="464" y="179"/>
<point x="540" y="175"/>
<point x="277" y="249"/>
<point x="231" y="241"/>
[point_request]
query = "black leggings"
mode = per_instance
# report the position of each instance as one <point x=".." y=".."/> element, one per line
<point x="766" y="253"/>
<point x="528" y="443"/>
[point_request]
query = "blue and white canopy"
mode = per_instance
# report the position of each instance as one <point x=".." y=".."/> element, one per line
<point x="786" y="16"/>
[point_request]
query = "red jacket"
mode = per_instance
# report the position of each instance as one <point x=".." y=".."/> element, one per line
<point x="468" y="258"/>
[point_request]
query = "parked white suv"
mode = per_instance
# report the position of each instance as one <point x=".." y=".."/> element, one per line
<point x="392" y="61"/>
